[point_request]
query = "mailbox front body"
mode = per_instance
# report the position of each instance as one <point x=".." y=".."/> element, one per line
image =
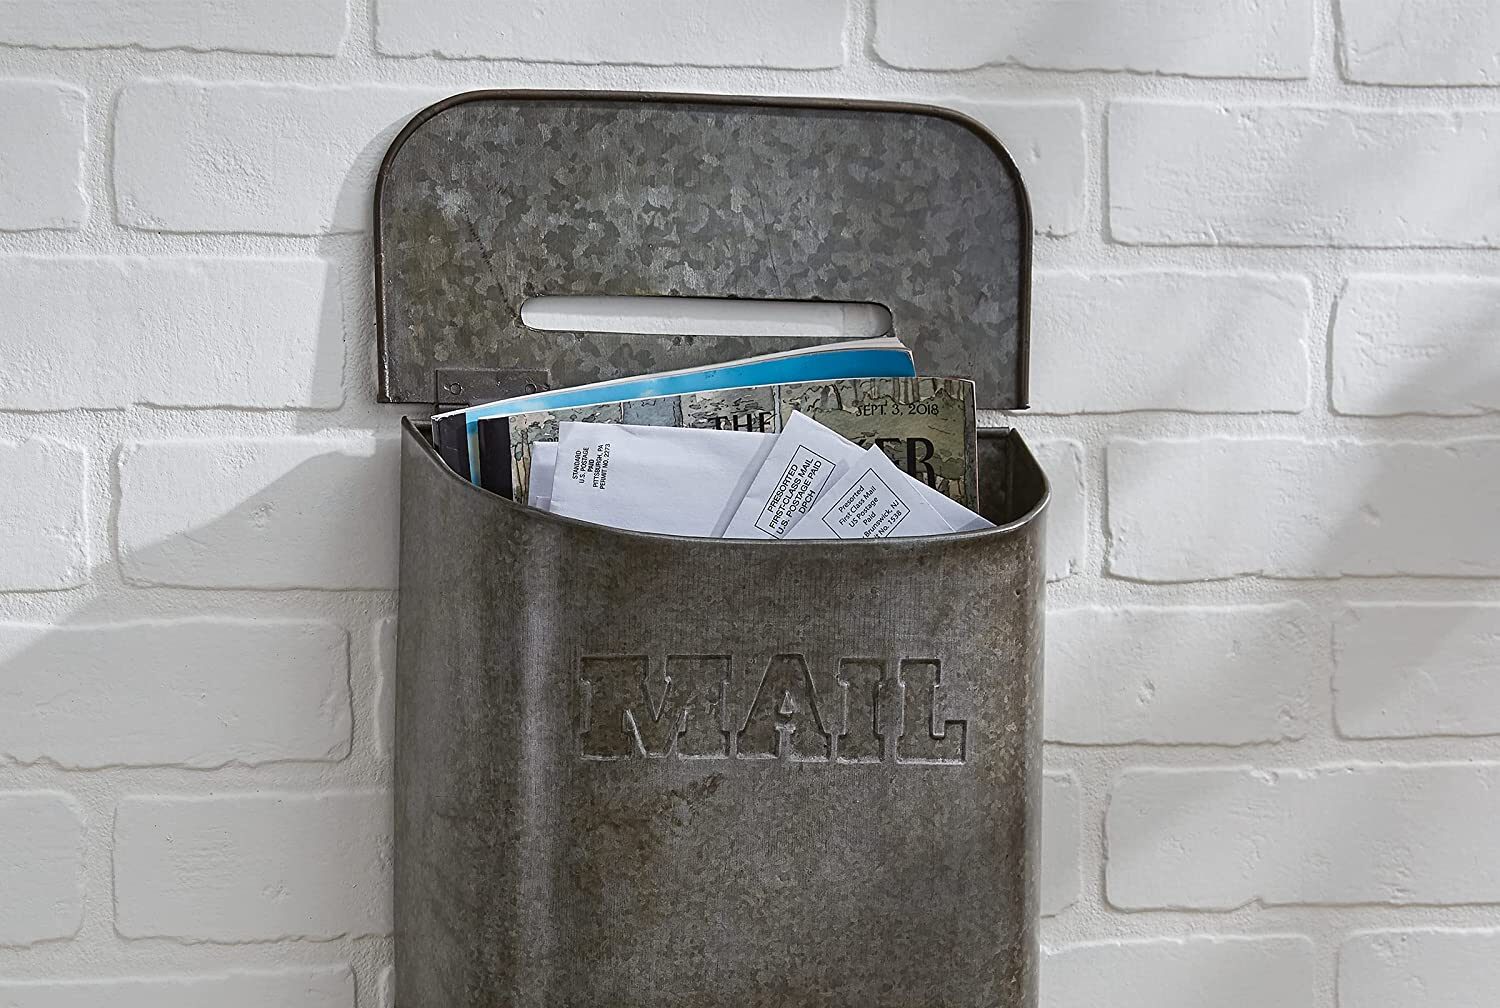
<point x="637" y="770"/>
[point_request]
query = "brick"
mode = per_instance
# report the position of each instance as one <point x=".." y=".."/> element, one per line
<point x="41" y="867"/>
<point x="385" y="995"/>
<point x="1222" y="507"/>
<point x="265" y="158"/>
<point x="42" y="139"/>
<point x="1268" y="39"/>
<point x="1199" y="839"/>
<point x="1067" y="530"/>
<point x="1395" y="834"/>
<point x="1406" y="670"/>
<point x="1189" y="174"/>
<point x="1432" y="968"/>
<point x="292" y="27"/>
<point x="773" y="33"/>
<point x="253" y="867"/>
<point x="117" y="331"/>
<point x="383" y="643"/>
<point x="1417" y="344"/>
<point x="1060" y="838"/>
<point x="1046" y="139"/>
<point x="1227" y="972"/>
<point x="320" y="987"/>
<point x="1435" y="42"/>
<point x="43" y="510"/>
<point x="250" y="513"/>
<point x="1202" y="342"/>
<point x="1212" y="675"/>
<point x="232" y="690"/>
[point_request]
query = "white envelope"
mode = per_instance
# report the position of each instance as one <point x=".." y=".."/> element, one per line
<point x="807" y="459"/>
<point x="671" y="480"/>
<point x="543" y="463"/>
<point x="873" y="500"/>
<point x="955" y="514"/>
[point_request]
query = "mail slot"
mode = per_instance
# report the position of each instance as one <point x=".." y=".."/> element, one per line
<point x="641" y="770"/>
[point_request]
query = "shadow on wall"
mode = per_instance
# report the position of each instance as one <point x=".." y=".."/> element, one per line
<point x="255" y="524"/>
<point x="236" y="570"/>
<point x="263" y="513"/>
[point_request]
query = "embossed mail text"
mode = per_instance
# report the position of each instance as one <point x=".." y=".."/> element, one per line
<point x="715" y="706"/>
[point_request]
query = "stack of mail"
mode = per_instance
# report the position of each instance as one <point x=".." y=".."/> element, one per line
<point x="788" y="445"/>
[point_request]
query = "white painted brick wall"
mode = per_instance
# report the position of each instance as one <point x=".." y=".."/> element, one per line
<point x="1434" y="968"/>
<point x="1268" y="39"/>
<point x="41" y="155"/>
<point x="383" y="659"/>
<point x="274" y="159"/>
<point x="43" y="510"/>
<point x="253" y="866"/>
<point x="1410" y="669"/>
<point x="1228" y="972"/>
<point x="232" y="690"/>
<point x="323" y="987"/>
<point x="310" y="27"/>
<point x="1266" y="386"/>
<point x="296" y="513"/>
<point x="776" y="33"/>
<point x="1297" y="509"/>
<point x="385" y="990"/>
<point x="1204" y="342"/>
<point x="1439" y="42"/>
<point x="1067" y="517"/>
<point x="1191" y="174"/>
<point x="41" y="867"/>
<point x="1211" y="675"/>
<point x="1428" y="344"/>
<point x="1060" y="880"/>
<point x="115" y="331"/>
<point x="1218" y="839"/>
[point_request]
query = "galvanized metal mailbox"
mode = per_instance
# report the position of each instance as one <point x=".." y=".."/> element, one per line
<point x="637" y="770"/>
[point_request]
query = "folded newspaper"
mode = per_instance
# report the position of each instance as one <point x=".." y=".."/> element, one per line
<point x="829" y="450"/>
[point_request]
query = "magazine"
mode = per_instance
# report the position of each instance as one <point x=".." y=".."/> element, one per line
<point x="456" y="433"/>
